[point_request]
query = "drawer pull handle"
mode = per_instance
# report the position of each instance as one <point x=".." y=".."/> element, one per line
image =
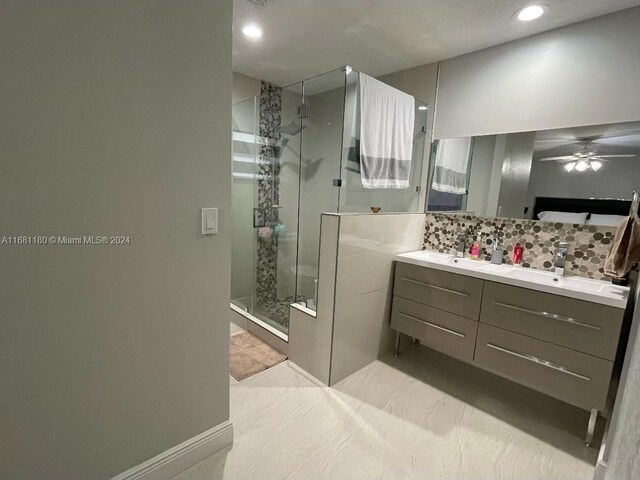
<point x="457" y="334"/>
<point x="552" y="316"/>
<point x="539" y="361"/>
<point x="442" y="289"/>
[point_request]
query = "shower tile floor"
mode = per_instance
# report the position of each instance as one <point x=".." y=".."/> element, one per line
<point x="277" y="310"/>
<point x="420" y="415"/>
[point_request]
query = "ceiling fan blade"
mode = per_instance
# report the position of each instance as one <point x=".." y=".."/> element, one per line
<point x="560" y="158"/>
<point x="622" y="155"/>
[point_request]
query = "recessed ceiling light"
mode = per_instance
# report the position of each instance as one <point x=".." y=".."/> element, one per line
<point x="531" y="12"/>
<point x="422" y="107"/>
<point x="252" y="31"/>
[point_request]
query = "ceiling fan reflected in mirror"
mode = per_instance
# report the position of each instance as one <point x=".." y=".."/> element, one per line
<point x="584" y="160"/>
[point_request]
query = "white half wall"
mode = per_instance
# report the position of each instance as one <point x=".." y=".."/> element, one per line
<point x="367" y="246"/>
<point x="116" y="120"/>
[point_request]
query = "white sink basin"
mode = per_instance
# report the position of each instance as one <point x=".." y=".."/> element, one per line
<point x="499" y="269"/>
<point x="549" y="278"/>
<point x="435" y="257"/>
<point x="584" y="284"/>
<point x="537" y="276"/>
<point x="469" y="263"/>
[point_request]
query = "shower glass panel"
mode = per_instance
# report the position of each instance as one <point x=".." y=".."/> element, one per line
<point x="265" y="189"/>
<point x="320" y="166"/>
<point x="277" y="197"/>
<point x="242" y="201"/>
<point x="354" y="198"/>
<point x="293" y="160"/>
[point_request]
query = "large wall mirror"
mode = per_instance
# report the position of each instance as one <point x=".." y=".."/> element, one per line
<point x="583" y="175"/>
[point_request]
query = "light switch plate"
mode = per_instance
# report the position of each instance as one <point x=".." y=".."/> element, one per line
<point x="209" y="221"/>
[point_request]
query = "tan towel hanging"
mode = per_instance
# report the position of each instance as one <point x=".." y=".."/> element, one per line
<point x="625" y="249"/>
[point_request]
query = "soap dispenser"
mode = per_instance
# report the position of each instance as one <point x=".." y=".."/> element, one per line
<point x="497" y="252"/>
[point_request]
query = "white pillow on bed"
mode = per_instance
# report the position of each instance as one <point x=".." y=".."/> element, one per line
<point x="605" y="220"/>
<point x="564" y="217"/>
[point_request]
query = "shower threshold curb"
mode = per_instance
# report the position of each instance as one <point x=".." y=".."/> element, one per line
<point x="259" y="322"/>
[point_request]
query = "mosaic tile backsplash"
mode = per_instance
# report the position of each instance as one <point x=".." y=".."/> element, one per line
<point x="588" y="244"/>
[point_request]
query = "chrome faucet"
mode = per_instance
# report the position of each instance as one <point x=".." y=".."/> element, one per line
<point x="560" y="258"/>
<point x="462" y="245"/>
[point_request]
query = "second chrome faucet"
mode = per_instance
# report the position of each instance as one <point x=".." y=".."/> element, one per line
<point x="560" y="258"/>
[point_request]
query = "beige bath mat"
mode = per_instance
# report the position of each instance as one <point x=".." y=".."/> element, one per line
<point x="250" y="355"/>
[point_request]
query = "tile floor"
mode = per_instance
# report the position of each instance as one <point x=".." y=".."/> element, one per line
<point x="419" y="416"/>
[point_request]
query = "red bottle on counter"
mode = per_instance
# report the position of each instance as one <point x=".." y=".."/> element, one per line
<point x="518" y="250"/>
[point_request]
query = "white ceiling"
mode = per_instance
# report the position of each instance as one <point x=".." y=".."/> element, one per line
<point x="304" y="38"/>
<point x="604" y="139"/>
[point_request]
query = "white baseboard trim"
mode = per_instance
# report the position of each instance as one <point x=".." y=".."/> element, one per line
<point x="177" y="459"/>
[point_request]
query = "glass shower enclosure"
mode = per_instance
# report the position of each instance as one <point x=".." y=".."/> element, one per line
<point x="291" y="151"/>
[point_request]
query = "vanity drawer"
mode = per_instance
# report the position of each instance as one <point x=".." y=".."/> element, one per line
<point x="440" y="330"/>
<point x="584" y="326"/>
<point x="453" y="293"/>
<point x="574" y="377"/>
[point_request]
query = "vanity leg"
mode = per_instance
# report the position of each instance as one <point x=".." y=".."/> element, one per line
<point x="591" y="427"/>
<point x="397" y="343"/>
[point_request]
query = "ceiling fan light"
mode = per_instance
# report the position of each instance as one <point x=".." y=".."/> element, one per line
<point x="569" y="166"/>
<point x="581" y="166"/>
<point x="596" y="165"/>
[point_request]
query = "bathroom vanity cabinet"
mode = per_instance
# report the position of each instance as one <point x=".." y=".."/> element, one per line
<point x="561" y="346"/>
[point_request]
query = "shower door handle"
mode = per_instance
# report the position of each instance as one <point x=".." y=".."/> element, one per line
<point x="258" y="218"/>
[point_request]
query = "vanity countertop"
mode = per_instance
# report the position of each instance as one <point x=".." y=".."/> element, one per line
<point x="597" y="291"/>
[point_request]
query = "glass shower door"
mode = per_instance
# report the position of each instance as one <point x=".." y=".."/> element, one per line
<point x="276" y="193"/>
<point x="354" y="198"/>
<point x="244" y="173"/>
<point x="319" y="171"/>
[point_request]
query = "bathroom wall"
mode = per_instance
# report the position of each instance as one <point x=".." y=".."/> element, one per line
<point x="582" y="74"/>
<point x="310" y="336"/>
<point x="481" y="180"/>
<point x="620" y="458"/>
<point x="367" y="246"/>
<point x="588" y="245"/>
<point x="515" y="168"/>
<point x="115" y="120"/>
<point x="244" y="87"/>
<point x="350" y="328"/>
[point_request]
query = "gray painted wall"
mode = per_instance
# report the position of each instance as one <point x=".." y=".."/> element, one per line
<point x="582" y="74"/>
<point x="516" y="168"/>
<point x="244" y="87"/>
<point x="115" y="121"/>
<point x="480" y="175"/>
<point x="623" y="441"/>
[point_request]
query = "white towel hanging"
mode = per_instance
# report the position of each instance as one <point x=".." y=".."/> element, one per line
<point x="387" y="118"/>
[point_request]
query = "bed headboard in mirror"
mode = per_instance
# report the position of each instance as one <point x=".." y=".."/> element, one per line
<point x="598" y="206"/>
<point x="588" y="169"/>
